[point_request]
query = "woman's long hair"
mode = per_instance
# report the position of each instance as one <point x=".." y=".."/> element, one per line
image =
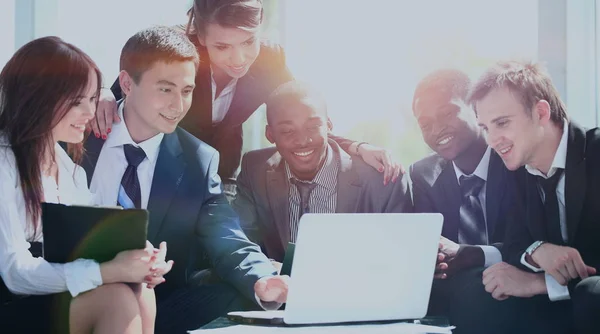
<point x="38" y="86"/>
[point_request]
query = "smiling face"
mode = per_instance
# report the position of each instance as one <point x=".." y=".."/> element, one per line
<point x="299" y="130"/>
<point x="81" y="109"/>
<point x="231" y="50"/>
<point x="512" y="131"/>
<point x="160" y="100"/>
<point x="447" y="124"/>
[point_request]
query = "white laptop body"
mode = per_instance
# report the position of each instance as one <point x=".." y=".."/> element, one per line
<point x="361" y="267"/>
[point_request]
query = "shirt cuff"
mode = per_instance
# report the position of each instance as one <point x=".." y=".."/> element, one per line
<point x="556" y="291"/>
<point x="82" y="275"/>
<point x="267" y="306"/>
<point x="528" y="265"/>
<point x="491" y="254"/>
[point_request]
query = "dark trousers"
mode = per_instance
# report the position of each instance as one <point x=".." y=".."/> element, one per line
<point x="471" y="309"/>
<point x="36" y="314"/>
<point x="193" y="307"/>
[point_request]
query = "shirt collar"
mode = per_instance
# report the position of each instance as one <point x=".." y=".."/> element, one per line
<point x="560" y="157"/>
<point x="481" y="170"/>
<point x="328" y="170"/>
<point x="213" y="84"/>
<point x="119" y="136"/>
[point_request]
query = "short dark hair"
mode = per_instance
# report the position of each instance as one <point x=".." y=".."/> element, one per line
<point x="242" y="14"/>
<point x="440" y="81"/>
<point x="293" y="93"/>
<point x="156" y="44"/>
<point x="528" y="81"/>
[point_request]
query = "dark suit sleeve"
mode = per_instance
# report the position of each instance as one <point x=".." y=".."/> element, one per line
<point x="116" y="90"/>
<point x="235" y="259"/>
<point x="399" y="198"/>
<point x="245" y="206"/>
<point x="422" y="201"/>
<point x="343" y="142"/>
<point x="518" y="236"/>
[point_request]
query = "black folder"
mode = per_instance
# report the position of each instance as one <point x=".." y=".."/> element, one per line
<point x="96" y="233"/>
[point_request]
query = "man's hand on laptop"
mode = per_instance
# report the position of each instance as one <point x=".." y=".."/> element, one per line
<point x="454" y="258"/>
<point x="272" y="288"/>
<point x="447" y="251"/>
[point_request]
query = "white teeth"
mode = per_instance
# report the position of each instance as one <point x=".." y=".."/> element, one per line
<point x="445" y="140"/>
<point x="505" y="150"/>
<point x="79" y="127"/>
<point x="304" y="154"/>
<point x="169" y="118"/>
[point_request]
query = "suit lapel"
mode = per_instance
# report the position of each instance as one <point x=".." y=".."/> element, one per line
<point x="277" y="193"/>
<point x="495" y="190"/>
<point x="167" y="177"/>
<point x="451" y="195"/>
<point x="348" y="185"/>
<point x="575" y="179"/>
<point x="93" y="147"/>
<point x="243" y="100"/>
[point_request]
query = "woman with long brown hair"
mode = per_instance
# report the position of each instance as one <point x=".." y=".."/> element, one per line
<point x="48" y="93"/>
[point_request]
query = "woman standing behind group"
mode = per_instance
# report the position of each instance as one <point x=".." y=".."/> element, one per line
<point x="238" y="71"/>
<point x="48" y="93"/>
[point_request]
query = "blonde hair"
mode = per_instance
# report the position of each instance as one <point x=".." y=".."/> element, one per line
<point x="529" y="81"/>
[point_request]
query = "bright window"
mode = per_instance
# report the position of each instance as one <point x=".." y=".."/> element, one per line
<point x="367" y="57"/>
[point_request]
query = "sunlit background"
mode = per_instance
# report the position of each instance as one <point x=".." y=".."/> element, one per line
<point x="365" y="56"/>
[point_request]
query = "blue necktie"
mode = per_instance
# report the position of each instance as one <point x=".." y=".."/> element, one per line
<point x="130" y="196"/>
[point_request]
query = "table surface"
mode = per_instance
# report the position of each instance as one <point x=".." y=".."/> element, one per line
<point x="223" y="322"/>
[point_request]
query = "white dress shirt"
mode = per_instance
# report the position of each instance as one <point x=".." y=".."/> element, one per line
<point x="491" y="254"/>
<point x="112" y="164"/>
<point x="22" y="273"/>
<point x="555" y="290"/>
<point x="221" y="103"/>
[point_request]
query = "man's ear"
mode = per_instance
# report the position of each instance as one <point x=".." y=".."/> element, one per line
<point x="542" y="111"/>
<point x="126" y="82"/>
<point x="329" y="125"/>
<point x="269" y="134"/>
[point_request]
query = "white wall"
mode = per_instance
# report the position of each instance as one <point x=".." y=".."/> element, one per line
<point x="7" y="30"/>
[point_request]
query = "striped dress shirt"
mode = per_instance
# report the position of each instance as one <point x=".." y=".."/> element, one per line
<point x="323" y="198"/>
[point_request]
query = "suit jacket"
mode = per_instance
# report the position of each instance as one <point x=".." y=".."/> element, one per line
<point x="582" y="199"/>
<point x="263" y="203"/>
<point x="252" y="90"/>
<point x="436" y="189"/>
<point x="189" y="212"/>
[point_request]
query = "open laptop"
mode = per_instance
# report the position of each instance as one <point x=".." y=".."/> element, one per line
<point x="358" y="268"/>
<point x="97" y="233"/>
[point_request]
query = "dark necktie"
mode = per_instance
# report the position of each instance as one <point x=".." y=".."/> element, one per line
<point x="304" y="189"/>
<point x="472" y="229"/>
<point x="551" y="212"/>
<point x="129" y="193"/>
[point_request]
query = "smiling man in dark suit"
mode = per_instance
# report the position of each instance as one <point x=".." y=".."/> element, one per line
<point x="553" y="248"/>
<point x="149" y="162"/>
<point x="467" y="183"/>
<point x="305" y="172"/>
